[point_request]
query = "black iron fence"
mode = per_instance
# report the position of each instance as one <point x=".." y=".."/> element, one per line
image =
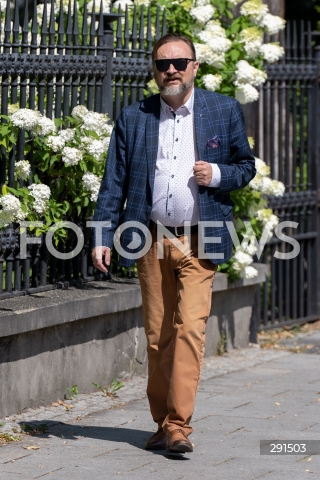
<point x="288" y="142"/>
<point x="102" y="62"/>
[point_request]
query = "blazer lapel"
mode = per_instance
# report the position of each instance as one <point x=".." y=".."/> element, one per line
<point x="200" y="124"/>
<point x="152" y="140"/>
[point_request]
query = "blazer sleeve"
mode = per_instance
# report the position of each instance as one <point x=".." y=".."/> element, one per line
<point x="112" y="190"/>
<point x="241" y="168"/>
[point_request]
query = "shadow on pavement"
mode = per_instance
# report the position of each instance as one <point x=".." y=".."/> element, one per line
<point x="136" y="438"/>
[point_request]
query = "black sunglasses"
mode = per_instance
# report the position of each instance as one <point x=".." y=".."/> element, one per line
<point x="179" y="64"/>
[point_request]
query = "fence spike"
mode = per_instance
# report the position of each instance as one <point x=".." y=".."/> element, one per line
<point x="164" y="23"/>
<point x="295" y="42"/>
<point x="119" y="31"/>
<point x="34" y="29"/>
<point x="7" y="29"/>
<point x="44" y="29"/>
<point x="52" y="29"/>
<point x="60" y="46"/>
<point x="69" y="25"/>
<point x="100" y="27"/>
<point x="16" y="27"/>
<point x="149" y="32"/>
<point x="76" y="51"/>
<point x="310" y="49"/>
<point x="288" y="42"/>
<point x="302" y="40"/>
<point x="126" y="32"/>
<point x="92" y="26"/>
<point x="158" y="24"/>
<point x="25" y="29"/>
<point x="134" y="32"/>
<point x="84" y="27"/>
<point x="141" y="35"/>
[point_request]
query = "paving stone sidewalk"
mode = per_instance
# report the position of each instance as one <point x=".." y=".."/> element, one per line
<point x="245" y="396"/>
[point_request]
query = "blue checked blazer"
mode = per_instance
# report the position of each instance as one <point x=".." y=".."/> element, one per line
<point x="130" y="168"/>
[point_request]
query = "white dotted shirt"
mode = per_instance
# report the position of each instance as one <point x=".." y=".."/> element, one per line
<point x="175" y="193"/>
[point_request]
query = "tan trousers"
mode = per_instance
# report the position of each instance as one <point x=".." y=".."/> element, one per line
<point x="176" y="295"/>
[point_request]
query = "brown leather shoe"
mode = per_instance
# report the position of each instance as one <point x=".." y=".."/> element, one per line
<point x="177" y="441"/>
<point x="157" y="441"/>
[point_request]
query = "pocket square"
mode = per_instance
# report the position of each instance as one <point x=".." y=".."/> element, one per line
<point x="214" y="142"/>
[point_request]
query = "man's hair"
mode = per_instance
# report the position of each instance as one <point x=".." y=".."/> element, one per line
<point x="173" y="37"/>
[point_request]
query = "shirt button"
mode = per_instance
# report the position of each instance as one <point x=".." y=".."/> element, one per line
<point x="169" y="214"/>
<point x="176" y="139"/>
<point x="174" y="157"/>
<point x="172" y="176"/>
<point x="170" y="195"/>
<point x="178" y="121"/>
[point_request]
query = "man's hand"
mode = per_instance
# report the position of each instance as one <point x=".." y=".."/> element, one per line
<point x="101" y="258"/>
<point x="202" y="172"/>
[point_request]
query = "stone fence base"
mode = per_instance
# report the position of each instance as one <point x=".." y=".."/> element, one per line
<point x="52" y="340"/>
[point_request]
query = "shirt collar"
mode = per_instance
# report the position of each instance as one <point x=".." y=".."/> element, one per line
<point x="188" y="106"/>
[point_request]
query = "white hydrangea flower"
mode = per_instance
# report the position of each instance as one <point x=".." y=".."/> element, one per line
<point x="251" y="249"/>
<point x="201" y="3"/>
<point x="212" y="82"/>
<point x="271" y="52"/>
<point x="97" y="122"/>
<point x="105" y="6"/>
<point x="14" y="107"/>
<point x="205" y="54"/>
<point x="22" y="170"/>
<point x="249" y="272"/>
<point x="202" y="14"/>
<point x="245" y="73"/>
<point x="44" y="126"/>
<point x="122" y="3"/>
<point x="96" y="148"/>
<point x="255" y="9"/>
<point x="246" y="93"/>
<point x="71" y="156"/>
<point x="11" y="210"/>
<point x="145" y="3"/>
<point x="263" y="215"/>
<point x="25" y="118"/>
<point x="262" y="168"/>
<point x="242" y="262"/>
<point x="106" y="129"/>
<point x="79" y="111"/>
<point x="41" y="194"/>
<point x="55" y="142"/>
<point x="219" y="45"/>
<point x="215" y="27"/>
<point x="67" y="134"/>
<point x="91" y="183"/>
<point x="272" y="24"/>
<point x="243" y="258"/>
<point x="277" y="188"/>
<point x="106" y="143"/>
<point x="252" y="39"/>
<point x="267" y="218"/>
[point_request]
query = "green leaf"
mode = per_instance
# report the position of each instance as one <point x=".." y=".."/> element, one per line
<point x="235" y="54"/>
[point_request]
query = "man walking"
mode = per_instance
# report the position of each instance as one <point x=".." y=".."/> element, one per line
<point x="174" y="158"/>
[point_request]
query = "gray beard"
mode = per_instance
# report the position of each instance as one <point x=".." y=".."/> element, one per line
<point x="175" y="90"/>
